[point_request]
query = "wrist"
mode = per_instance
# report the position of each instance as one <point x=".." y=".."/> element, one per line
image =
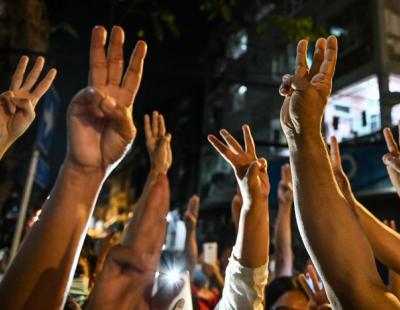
<point x="306" y="144"/>
<point x="80" y="172"/>
<point x="157" y="169"/>
<point x="255" y="207"/>
<point x="304" y="136"/>
<point x="286" y="205"/>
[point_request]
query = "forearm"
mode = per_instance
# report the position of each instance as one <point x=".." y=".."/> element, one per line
<point x="329" y="228"/>
<point x="128" y="233"/>
<point x="191" y="250"/>
<point x="252" y="241"/>
<point x="384" y="241"/>
<point x="49" y="253"/>
<point x="283" y="242"/>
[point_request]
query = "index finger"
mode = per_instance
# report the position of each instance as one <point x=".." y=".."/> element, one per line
<point x="221" y="148"/>
<point x="18" y="76"/>
<point x="301" y="59"/>
<point x="133" y="74"/>
<point x="97" y="58"/>
<point x="147" y="128"/>
<point x="390" y="142"/>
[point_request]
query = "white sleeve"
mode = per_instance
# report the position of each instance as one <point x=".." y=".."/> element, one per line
<point x="244" y="287"/>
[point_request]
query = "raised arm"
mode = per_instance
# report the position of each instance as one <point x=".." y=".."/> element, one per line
<point x="329" y="228"/>
<point x="252" y="243"/>
<point x="17" y="105"/>
<point x="158" y="143"/>
<point x="247" y="271"/>
<point x="129" y="273"/>
<point x="100" y="132"/>
<point x="385" y="242"/>
<point x="283" y="229"/>
<point x="191" y="216"/>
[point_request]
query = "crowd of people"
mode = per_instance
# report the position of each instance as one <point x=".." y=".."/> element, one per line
<point x="127" y="266"/>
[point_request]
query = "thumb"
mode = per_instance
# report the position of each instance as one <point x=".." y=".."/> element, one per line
<point x="26" y="106"/>
<point x="252" y="173"/>
<point x="263" y="162"/>
<point x="392" y="162"/>
<point x="6" y="99"/>
<point x="89" y="100"/>
<point x="263" y="171"/>
<point x="298" y="83"/>
<point x="120" y="115"/>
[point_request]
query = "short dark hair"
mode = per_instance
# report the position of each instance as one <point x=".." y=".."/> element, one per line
<point x="280" y="286"/>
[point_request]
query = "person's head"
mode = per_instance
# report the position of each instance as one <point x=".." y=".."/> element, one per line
<point x="285" y="293"/>
<point x="83" y="276"/>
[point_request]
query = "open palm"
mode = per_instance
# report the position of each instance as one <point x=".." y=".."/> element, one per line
<point x="239" y="158"/>
<point x="100" y="124"/>
<point x="17" y="105"/>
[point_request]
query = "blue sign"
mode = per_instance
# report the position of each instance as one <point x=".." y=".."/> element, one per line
<point x="42" y="173"/>
<point x="51" y="106"/>
<point x="361" y="162"/>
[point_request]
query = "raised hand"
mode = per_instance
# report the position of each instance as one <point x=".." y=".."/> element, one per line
<point x="285" y="187"/>
<point x="128" y="276"/>
<point x="17" y="105"/>
<point x="192" y="212"/>
<point x="317" y="299"/>
<point x="392" y="159"/>
<point x="158" y="143"/>
<point x="307" y="91"/>
<point x="100" y="124"/>
<point x="239" y="158"/>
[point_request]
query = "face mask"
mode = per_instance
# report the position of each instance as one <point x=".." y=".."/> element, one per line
<point x="79" y="290"/>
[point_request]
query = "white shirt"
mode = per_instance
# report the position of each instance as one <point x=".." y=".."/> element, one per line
<point x="244" y="287"/>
